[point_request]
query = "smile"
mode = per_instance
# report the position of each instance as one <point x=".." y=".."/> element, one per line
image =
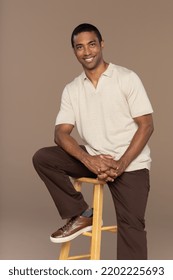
<point x="89" y="59"/>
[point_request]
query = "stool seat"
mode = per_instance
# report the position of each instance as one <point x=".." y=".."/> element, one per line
<point x="97" y="228"/>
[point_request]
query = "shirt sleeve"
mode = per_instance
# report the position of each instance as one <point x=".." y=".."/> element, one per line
<point x="66" y="113"/>
<point x="137" y="98"/>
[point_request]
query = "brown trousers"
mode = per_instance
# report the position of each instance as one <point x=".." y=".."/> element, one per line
<point x="129" y="192"/>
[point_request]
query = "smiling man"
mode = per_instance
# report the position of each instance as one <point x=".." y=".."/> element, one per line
<point x="113" y="115"/>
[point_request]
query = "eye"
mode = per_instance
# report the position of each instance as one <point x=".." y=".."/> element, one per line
<point x="92" y="44"/>
<point x="79" y="47"/>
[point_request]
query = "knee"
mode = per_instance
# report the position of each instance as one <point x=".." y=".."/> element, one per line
<point x="132" y="221"/>
<point x="137" y="223"/>
<point x="39" y="157"/>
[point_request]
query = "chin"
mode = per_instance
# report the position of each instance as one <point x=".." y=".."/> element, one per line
<point x="90" y="67"/>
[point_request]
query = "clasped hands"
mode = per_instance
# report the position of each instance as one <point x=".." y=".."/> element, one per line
<point x="105" y="166"/>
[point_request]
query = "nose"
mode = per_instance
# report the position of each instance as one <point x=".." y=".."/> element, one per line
<point x="87" y="51"/>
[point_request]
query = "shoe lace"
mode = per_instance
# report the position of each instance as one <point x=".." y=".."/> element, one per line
<point x="68" y="224"/>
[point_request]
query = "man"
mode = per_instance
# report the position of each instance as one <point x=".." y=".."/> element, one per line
<point x="113" y="115"/>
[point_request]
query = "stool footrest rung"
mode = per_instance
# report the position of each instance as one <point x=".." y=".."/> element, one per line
<point x="79" y="257"/>
<point x="87" y="233"/>
<point x="106" y="228"/>
<point x="109" y="228"/>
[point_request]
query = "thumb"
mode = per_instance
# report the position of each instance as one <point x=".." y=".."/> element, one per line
<point x="106" y="156"/>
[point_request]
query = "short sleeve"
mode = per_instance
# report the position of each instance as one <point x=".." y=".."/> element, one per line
<point x="66" y="113"/>
<point x="137" y="98"/>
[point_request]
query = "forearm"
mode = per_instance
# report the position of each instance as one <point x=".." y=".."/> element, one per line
<point x="137" y="144"/>
<point x="70" y="145"/>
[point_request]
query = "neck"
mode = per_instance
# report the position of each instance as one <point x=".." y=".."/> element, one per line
<point x="94" y="74"/>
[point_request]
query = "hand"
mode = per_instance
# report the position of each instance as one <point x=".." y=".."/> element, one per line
<point x="97" y="163"/>
<point x="116" y="168"/>
<point x="107" y="174"/>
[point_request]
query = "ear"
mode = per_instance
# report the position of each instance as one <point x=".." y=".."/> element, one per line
<point x="102" y="44"/>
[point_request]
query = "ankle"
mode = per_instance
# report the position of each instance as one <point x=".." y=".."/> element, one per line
<point x="88" y="213"/>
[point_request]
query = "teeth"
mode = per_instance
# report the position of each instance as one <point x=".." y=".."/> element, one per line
<point x="89" y="59"/>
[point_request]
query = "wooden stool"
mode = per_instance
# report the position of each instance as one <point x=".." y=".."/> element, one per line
<point x="97" y="227"/>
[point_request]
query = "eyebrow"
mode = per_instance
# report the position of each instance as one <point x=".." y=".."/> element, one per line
<point x="93" y="41"/>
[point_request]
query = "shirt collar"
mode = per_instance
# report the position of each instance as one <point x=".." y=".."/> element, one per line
<point x="107" y="72"/>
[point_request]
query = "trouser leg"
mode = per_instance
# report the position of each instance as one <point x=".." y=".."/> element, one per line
<point x="54" y="166"/>
<point x="130" y="193"/>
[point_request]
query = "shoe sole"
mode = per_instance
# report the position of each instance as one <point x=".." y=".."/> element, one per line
<point x="70" y="237"/>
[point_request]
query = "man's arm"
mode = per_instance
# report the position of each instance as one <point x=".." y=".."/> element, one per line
<point x="63" y="138"/>
<point x="140" y="139"/>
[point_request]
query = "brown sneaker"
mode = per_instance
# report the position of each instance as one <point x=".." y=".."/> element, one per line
<point x="74" y="227"/>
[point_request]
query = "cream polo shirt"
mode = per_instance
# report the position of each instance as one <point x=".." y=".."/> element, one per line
<point x="104" y="115"/>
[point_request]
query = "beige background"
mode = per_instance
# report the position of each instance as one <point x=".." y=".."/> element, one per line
<point x="36" y="63"/>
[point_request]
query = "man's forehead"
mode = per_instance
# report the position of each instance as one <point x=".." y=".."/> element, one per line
<point x="85" y="37"/>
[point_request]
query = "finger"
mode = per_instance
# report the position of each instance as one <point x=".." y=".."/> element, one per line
<point x="102" y="176"/>
<point x="109" y="179"/>
<point x="112" y="173"/>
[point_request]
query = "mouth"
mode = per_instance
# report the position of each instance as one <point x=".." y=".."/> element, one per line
<point x="89" y="59"/>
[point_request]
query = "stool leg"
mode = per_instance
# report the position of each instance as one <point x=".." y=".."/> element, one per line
<point x="65" y="249"/>
<point x="97" y="222"/>
<point x="77" y="186"/>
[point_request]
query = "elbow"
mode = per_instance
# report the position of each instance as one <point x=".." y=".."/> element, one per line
<point x="56" y="138"/>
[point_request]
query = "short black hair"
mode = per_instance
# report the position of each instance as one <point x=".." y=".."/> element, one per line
<point x="85" y="27"/>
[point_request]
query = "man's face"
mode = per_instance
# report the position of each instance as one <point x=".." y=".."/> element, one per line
<point x="88" y="50"/>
